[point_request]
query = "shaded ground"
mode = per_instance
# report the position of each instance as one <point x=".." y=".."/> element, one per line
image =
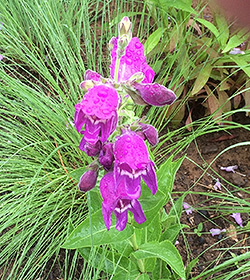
<point x="192" y="177"/>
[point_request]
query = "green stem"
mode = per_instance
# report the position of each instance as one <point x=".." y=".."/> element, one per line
<point x="136" y="247"/>
<point x="117" y="64"/>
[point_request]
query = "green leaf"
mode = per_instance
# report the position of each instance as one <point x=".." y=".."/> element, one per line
<point x="153" y="40"/>
<point x="232" y="43"/>
<point x="151" y="204"/>
<point x="161" y="271"/>
<point x="86" y="235"/>
<point x="122" y="267"/>
<point x="223" y="29"/>
<point x="209" y="26"/>
<point x="172" y="232"/>
<point x="242" y="63"/>
<point x="144" y="276"/>
<point x="178" y="4"/>
<point x="165" y="251"/>
<point x="190" y="266"/>
<point x="202" y="78"/>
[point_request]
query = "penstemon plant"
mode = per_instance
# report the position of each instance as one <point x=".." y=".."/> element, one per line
<point x="143" y="243"/>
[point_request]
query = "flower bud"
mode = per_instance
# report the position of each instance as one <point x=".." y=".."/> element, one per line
<point x="111" y="43"/>
<point x="85" y="85"/>
<point x="88" y="180"/>
<point x="150" y="133"/>
<point x="124" y="27"/>
<point x="106" y="156"/>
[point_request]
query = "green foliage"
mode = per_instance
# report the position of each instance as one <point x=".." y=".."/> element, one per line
<point x="92" y="232"/>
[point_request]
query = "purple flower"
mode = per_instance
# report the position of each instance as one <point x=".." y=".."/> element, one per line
<point x="237" y="218"/>
<point x="106" y="156"/>
<point x="150" y="133"/>
<point x="216" y="231"/>
<point x="230" y="168"/>
<point x="187" y="207"/>
<point x="217" y="185"/>
<point x="133" y="63"/>
<point x="88" y="180"/>
<point x="98" y="112"/>
<point x="116" y="199"/>
<point x="89" y="149"/>
<point x="132" y="162"/>
<point x="236" y="51"/>
<point x="1" y="57"/>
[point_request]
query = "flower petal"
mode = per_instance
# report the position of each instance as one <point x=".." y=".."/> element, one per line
<point x="106" y="156"/>
<point x="131" y="62"/>
<point x="137" y="211"/>
<point x="121" y="220"/>
<point x="92" y="75"/>
<point x="90" y="150"/>
<point x="155" y="94"/>
<point x="80" y="118"/>
<point x="107" y="213"/>
<point x="130" y="148"/>
<point x="150" y="178"/>
<point x="108" y="127"/>
<point x="92" y="131"/>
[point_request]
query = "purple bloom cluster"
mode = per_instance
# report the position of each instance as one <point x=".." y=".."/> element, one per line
<point x="119" y="148"/>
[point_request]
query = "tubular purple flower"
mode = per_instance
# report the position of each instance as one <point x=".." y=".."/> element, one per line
<point x="116" y="199"/>
<point x="187" y="207"/>
<point x="88" y="180"/>
<point x="106" y="156"/>
<point x="98" y="112"/>
<point x="132" y="162"/>
<point x="216" y="231"/>
<point x="217" y="185"/>
<point x="134" y="62"/>
<point x="229" y="168"/>
<point x="155" y="94"/>
<point x="150" y="133"/>
<point x="237" y="218"/>
<point x="89" y="149"/>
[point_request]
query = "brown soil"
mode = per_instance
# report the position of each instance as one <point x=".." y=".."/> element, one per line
<point x="213" y="212"/>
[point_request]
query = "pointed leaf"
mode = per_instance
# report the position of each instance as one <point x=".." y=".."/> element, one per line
<point x="209" y="26"/>
<point x="153" y="40"/>
<point x="86" y="234"/>
<point x="151" y="205"/>
<point x="202" y="78"/>
<point x="165" y="251"/>
<point x="233" y="42"/>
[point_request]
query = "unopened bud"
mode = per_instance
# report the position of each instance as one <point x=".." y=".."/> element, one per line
<point x="111" y="43"/>
<point x="88" y="180"/>
<point x="150" y="133"/>
<point x="106" y="156"/>
<point x="124" y="28"/>
<point x="85" y="85"/>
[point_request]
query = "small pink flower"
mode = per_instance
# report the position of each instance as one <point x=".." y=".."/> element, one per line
<point x="217" y="185"/>
<point x="216" y="231"/>
<point x="187" y="207"/>
<point x="1" y="57"/>
<point x="229" y="168"/>
<point x="237" y="218"/>
<point x="236" y="51"/>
